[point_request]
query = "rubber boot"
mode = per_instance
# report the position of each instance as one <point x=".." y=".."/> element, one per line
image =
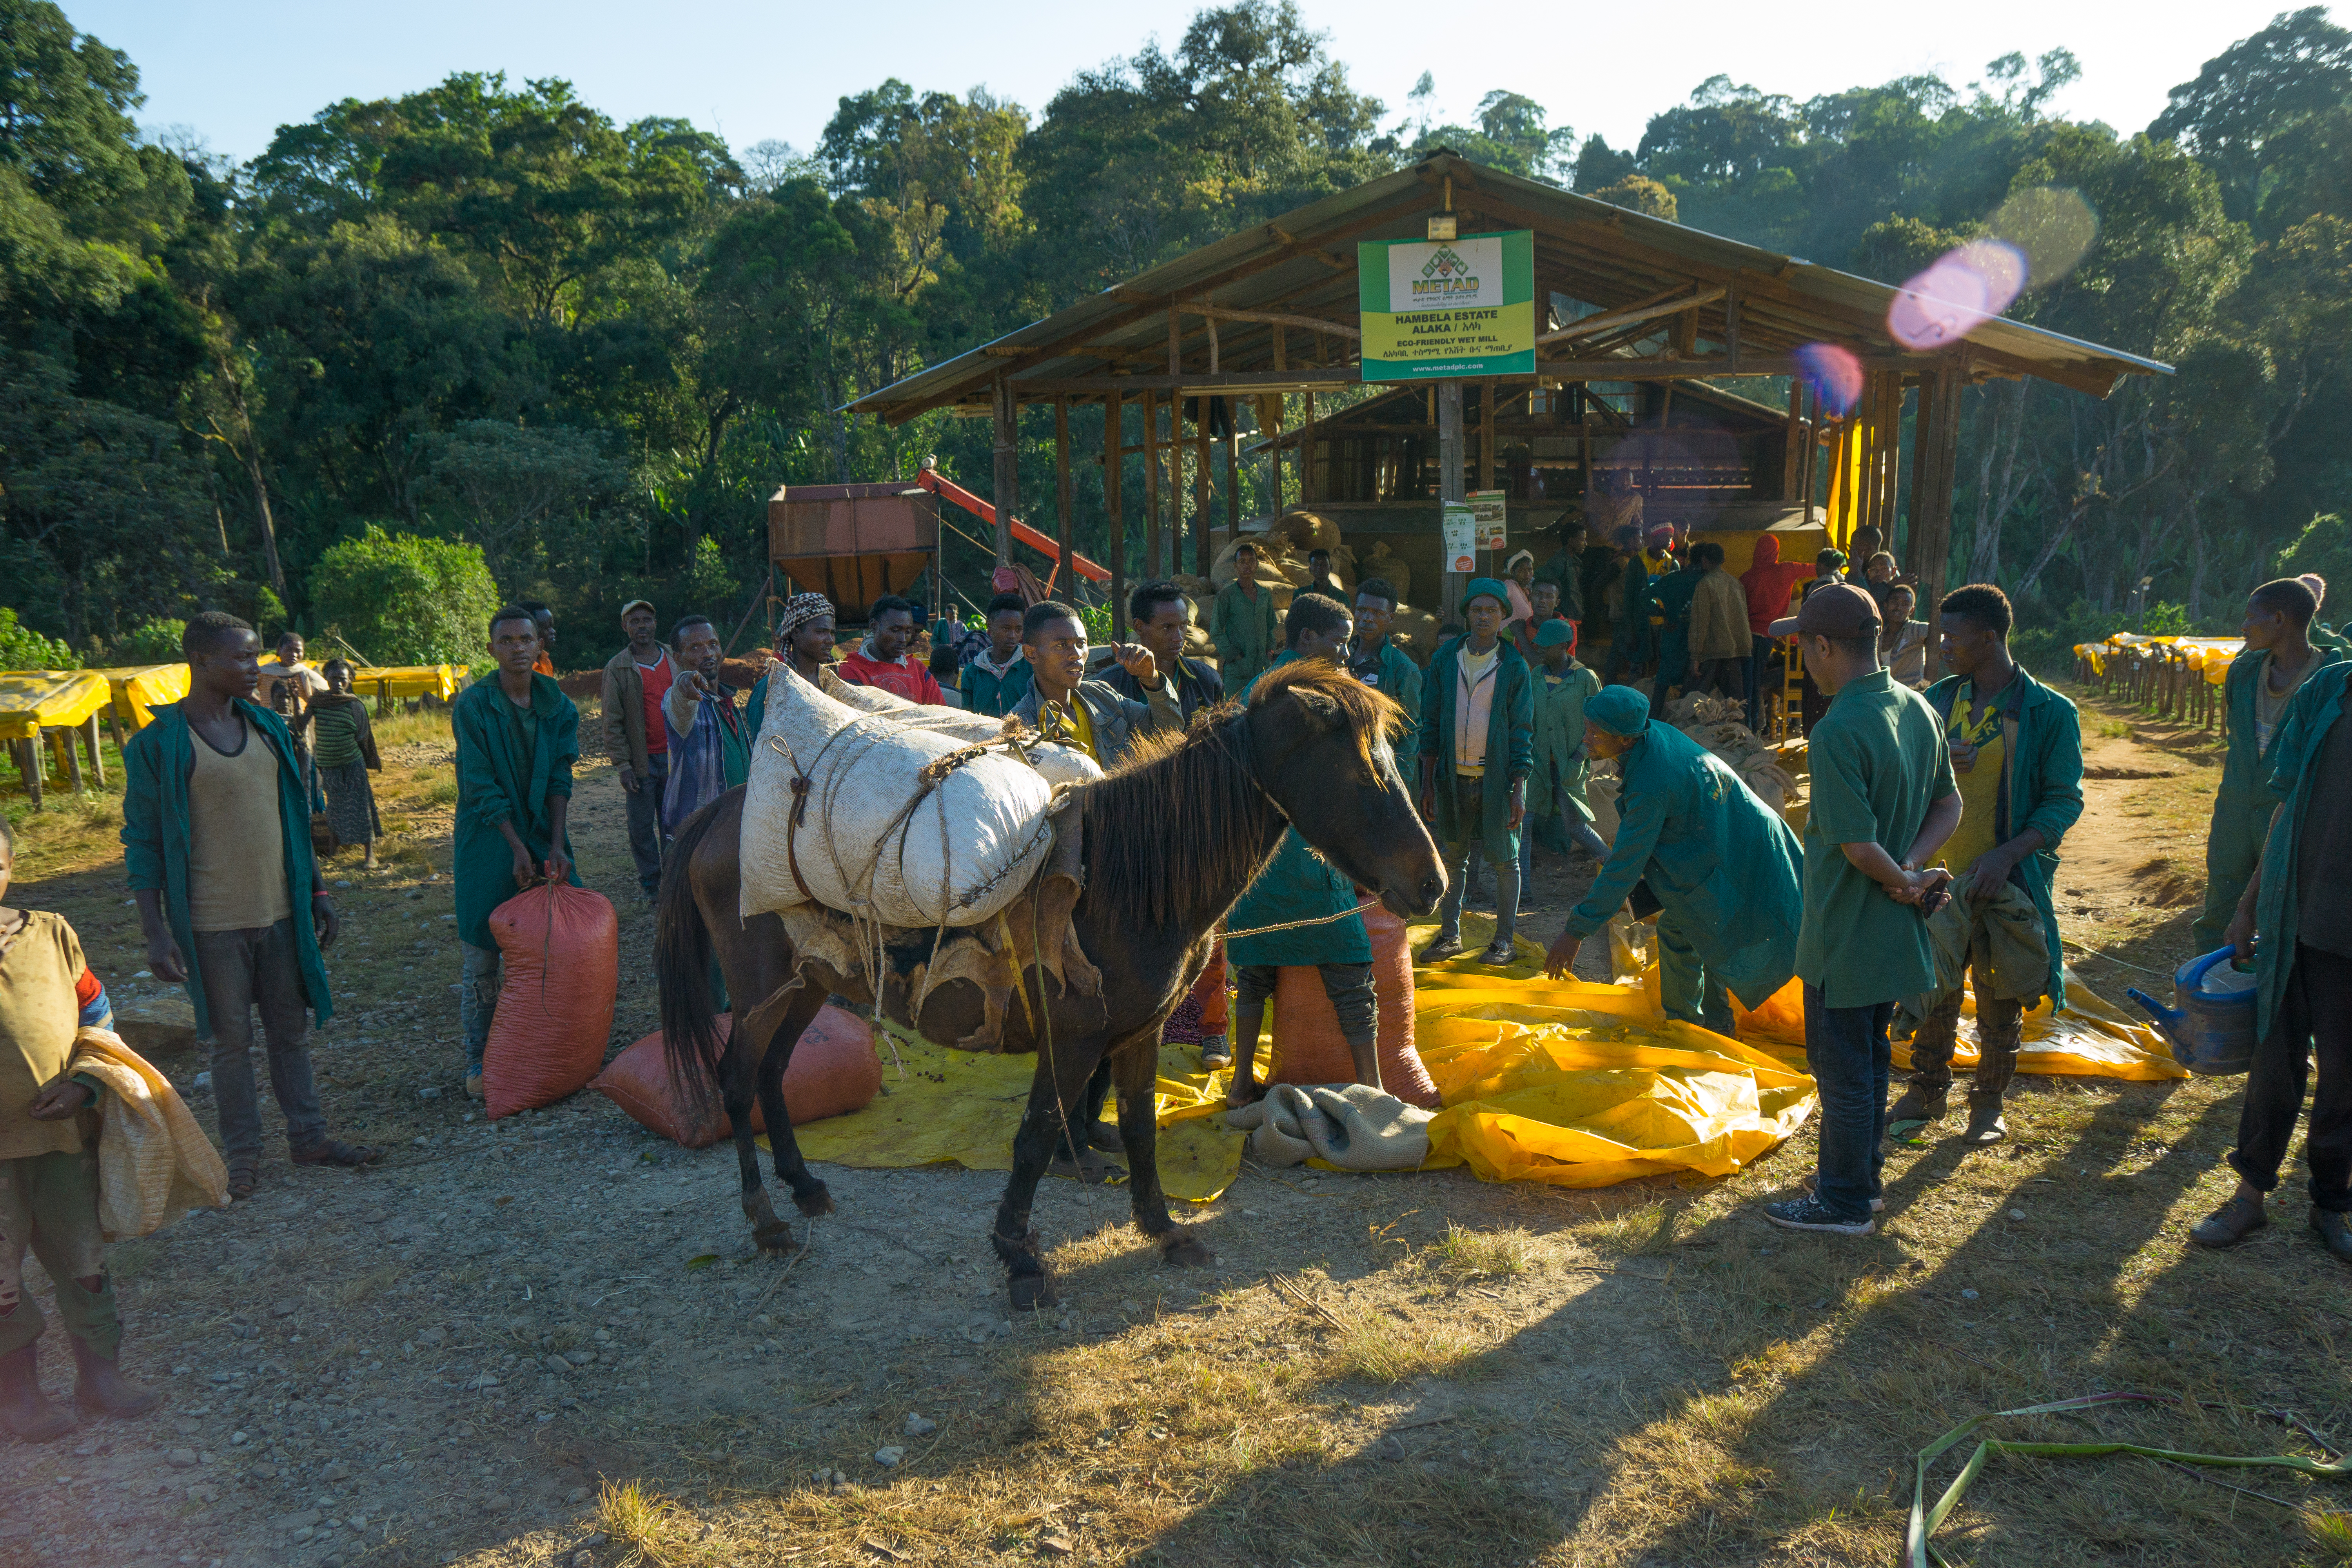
<point x="1985" y="1125"/>
<point x="24" y="1408"/>
<point x="1918" y="1104"/>
<point x="101" y="1386"/>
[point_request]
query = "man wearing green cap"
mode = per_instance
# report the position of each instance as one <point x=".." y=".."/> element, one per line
<point x="1556" y="797"/>
<point x="1885" y="800"/>
<point x="1477" y="744"/>
<point x="1720" y="863"/>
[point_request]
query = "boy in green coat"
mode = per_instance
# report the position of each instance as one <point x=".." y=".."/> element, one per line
<point x="2280" y="655"/>
<point x="1556" y="802"/>
<point x="2017" y="752"/>
<point x="995" y="681"/>
<point x="1378" y="663"/>
<point x="518" y="736"/>
<point x="1242" y="623"/>
<point x="1477" y="745"/>
<point x="2296" y="924"/>
<point x="1883" y="801"/>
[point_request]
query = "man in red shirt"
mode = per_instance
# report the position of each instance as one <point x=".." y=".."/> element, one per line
<point x="881" y="660"/>
<point x="636" y="680"/>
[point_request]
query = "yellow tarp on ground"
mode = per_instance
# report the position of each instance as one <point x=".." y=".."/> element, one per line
<point x="2210" y="656"/>
<point x="32" y="700"/>
<point x="438" y="681"/>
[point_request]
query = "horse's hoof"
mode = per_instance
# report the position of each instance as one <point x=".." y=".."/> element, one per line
<point x="1186" y="1252"/>
<point x="817" y="1200"/>
<point x="773" y="1236"/>
<point x="1030" y="1292"/>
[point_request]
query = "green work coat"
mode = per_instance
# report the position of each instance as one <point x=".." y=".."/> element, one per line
<point x="1511" y="736"/>
<point x="2041" y="735"/>
<point x="755" y="707"/>
<point x="1670" y="597"/>
<point x="1559" y="755"/>
<point x="2296" y="751"/>
<point x="1246" y="631"/>
<point x="1296" y="885"/>
<point x="1567" y="570"/>
<point x="985" y="691"/>
<point x="1395" y="676"/>
<point x="509" y="764"/>
<point x="2243" y="805"/>
<point x="1631" y="634"/>
<point x="1722" y="863"/>
<point x="155" y="828"/>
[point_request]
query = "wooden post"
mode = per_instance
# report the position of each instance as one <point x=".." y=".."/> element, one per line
<point x="1203" y="490"/>
<point x="1233" y="483"/>
<point x="1449" y="481"/>
<point x="63" y="740"/>
<point x="1937" y="451"/>
<point x="1062" y="497"/>
<point x="1008" y="469"/>
<point x="1306" y="496"/>
<point x="30" y="766"/>
<point x="1487" y="434"/>
<point x="1114" y="465"/>
<point x="1152" y="567"/>
<point x="1920" y="421"/>
<point x="89" y="739"/>
<point x="1792" y="457"/>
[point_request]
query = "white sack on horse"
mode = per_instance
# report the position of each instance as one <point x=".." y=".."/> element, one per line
<point x="875" y="837"/>
<point x="1059" y="764"/>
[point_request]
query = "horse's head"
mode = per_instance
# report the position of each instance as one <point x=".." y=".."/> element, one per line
<point x="1322" y="747"/>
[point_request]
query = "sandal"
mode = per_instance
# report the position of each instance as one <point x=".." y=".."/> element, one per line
<point x="244" y="1176"/>
<point x="335" y="1151"/>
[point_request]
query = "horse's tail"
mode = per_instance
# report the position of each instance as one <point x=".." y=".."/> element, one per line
<point x="682" y="961"/>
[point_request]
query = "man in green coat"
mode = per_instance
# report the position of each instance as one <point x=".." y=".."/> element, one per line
<point x="2295" y="922"/>
<point x="1565" y="566"/>
<point x="1629" y="629"/>
<point x="1720" y="865"/>
<point x="996" y="677"/>
<point x="2017" y="755"/>
<point x="2280" y="654"/>
<point x="518" y="736"/>
<point x="1242" y="623"/>
<point x="1477" y="744"/>
<point x="1378" y="663"/>
<point x="1670" y="623"/>
<point x="1299" y="885"/>
<point x="217" y="849"/>
<point x="1556" y="803"/>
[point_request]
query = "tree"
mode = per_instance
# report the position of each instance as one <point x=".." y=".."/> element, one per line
<point x="2252" y="93"/>
<point x="401" y="599"/>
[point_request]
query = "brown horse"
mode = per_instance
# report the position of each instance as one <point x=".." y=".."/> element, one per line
<point x="1170" y="840"/>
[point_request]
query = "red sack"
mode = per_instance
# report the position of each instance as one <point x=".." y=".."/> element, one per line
<point x="1307" y="1044"/>
<point x="561" y="951"/>
<point x="833" y="1072"/>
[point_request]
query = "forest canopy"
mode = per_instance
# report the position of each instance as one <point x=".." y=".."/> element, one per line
<point x="483" y="327"/>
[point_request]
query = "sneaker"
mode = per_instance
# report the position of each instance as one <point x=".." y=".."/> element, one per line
<point x="1809" y="1213"/>
<point x="1445" y="947"/>
<point x="1813" y="1186"/>
<point x="1499" y="954"/>
<point x="1216" y="1054"/>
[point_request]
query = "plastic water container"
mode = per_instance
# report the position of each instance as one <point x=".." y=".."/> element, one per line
<point x="2212" y="1030"/>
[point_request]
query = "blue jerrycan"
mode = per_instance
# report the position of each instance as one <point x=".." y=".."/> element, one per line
<point x="2212" y="1029"/>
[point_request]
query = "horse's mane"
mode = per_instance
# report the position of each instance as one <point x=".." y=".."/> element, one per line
<point x="1182" y="812"/>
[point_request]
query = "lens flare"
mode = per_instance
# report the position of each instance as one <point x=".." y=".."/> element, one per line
<point x="1967" y="285"/>
<point x="2051" y="227"/>
<point x="1834" y="374"/>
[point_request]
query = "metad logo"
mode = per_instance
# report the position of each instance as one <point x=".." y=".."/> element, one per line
<point x="1445" y="278"/>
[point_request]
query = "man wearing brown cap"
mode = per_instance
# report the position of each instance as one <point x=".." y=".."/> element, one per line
<point x="1883" y="801"/>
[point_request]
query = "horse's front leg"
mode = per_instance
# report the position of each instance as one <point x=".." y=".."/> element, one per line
<point x="1062" y="1074"/>
<point x="810" y="1195"/>
<point x="771" y="1234"/>
<point x="1136" y="1064"/>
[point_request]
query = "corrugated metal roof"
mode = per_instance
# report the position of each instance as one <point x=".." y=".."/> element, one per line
<point x="1303" y="265"/>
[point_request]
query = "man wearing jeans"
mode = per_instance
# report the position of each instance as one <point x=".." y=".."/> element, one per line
<point x="216" y="842"/>
<point x="1883" y="788"/>
<point x="636" y="680"/>
<point x="518" y="736"/>
<point x="1477" y="746"/>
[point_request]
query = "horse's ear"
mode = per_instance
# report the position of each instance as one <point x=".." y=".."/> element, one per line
<point x="1321" y="710"/>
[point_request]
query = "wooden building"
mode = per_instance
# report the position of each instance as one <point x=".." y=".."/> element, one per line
<point x="1655" y="342"/>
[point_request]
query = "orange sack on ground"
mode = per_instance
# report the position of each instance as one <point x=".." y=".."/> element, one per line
<point x="833" y="1072"/>
<point x="1307" y="1044"/>
<point x="560" y="947"/>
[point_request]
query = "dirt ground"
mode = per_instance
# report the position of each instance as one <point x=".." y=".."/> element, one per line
<point x="550" y="1342"/>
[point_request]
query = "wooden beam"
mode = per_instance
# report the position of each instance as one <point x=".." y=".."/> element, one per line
<point x="1487" y="434"/>
<point x="1063" y="491"/>
<point x="1211" y="323"/>
<point x="1007" y="499"/>
<point x="1670" y="303"/>
<point x="1152" y="567"/>
<point x="1307" y="453"/>
<point x="1932" y="529"/>
<point x="1114" y="465"/>
<point x="1298" y="378"/>
<point x="1202" y="489"/>
<point x="1269" y="318"/>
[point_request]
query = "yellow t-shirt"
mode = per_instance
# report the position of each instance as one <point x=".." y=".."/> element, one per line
<point x="39" y="1014"/>
<point x="1979" y="828"/>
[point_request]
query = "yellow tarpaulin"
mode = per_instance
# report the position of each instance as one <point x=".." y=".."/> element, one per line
<point x="393" y="681"/>
<point x="2208" y="656"/>
<point x="32" y="700"/>
<point x="136" y="690"/>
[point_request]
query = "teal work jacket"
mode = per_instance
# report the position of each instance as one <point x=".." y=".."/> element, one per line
<point x="2043" y="789"/>
<point x="1559" y="739"/>
<point x="1511" y="736"/>
<point x="1721" y="862"/>
<point x="155" y="830"/>
<point x="2296" y="751"/>
<point x="505" y="774"/>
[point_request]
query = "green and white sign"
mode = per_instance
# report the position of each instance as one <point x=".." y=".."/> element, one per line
<point x="1449" y="307"/>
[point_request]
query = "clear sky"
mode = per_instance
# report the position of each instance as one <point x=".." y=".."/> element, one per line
<point x="755" y="71"/>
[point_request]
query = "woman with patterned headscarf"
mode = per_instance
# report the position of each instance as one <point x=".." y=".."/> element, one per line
<point x="803" y="644"/>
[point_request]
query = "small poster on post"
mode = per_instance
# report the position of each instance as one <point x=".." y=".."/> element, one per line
<point x="1486" y="508"/>
<point x="1461" y="538"/>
